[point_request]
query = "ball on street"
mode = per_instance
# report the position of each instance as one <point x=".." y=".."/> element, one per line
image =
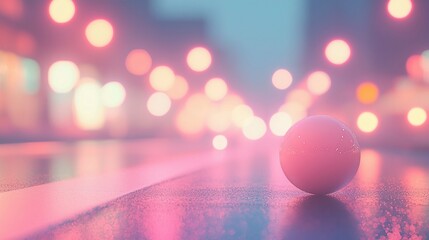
<point x="320" y="155"/>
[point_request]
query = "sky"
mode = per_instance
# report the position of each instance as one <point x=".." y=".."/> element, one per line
<point x="260" y="37"/>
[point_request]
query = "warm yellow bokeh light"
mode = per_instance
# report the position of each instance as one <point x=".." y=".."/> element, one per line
<point x="179" y="89"/>
<point x="188" y="124"/>
<point x="240" y="114"/>
<point x="367" y="92"/>
<point x="367" y="122"/>
<point x="281" y="79"/>
<point x="219" y="120"/>
<point x="216" y="89"/>
<point x="318" y="82"/>
<point x="62" y="76"/>
<point x="138" y="62"/>
<point x="254" y="128"/>
<point x="199" y="103"/>
<point x="113" y="94"/>
<point x="99" y="33"/>
<point x="219" y="142"/>
<point x="158" y="104"/>
<point x="399" y="8"/>
<point x="279" y="123"/>
<point x="191" y="120"/>
<point x="337" y="51"/>
<point x="62" y="11"/>
<point x="229" y="102"/>
<point x="199" y="59"/>
<point x="162" y="78"/>
<point x="296" y="110"/>
<point x="300" y="96"/>
<point x="417" y="116"/>
<point x="88" y="108"/>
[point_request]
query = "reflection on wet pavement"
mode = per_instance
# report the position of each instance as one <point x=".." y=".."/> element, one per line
<point x="30" y="164"/>
<point x="249" y="198"/>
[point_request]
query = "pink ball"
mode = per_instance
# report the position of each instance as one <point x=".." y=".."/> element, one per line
<point x="320" y="155"/>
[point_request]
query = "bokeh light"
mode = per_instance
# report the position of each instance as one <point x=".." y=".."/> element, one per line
<point x="220" y="142"/>
<point x="415" y="67"/>
<point x="113" y="94"/>
<point x="254" y="128"/>
<point x="138" y="62"/>
<point x="300" y="96"/>
<point x="281" y="79"/>
<point x="399" y="8"/>
<point x="62" y="76"/>
<point x="99" y="33"/>
<point x="240" y="114"/>
<point x="199" y="59"/>
<point x="367" y="122"/>
<point x="280" y="123"/>
<point x="367" y="92"/>
<point x="318" y="82"/>
<point x="189" y="123"/>
<point x="89" y="111"/>
<point x="219" y="118"/>
<point x="296" y="110"/>
<point x="179" y="89"/>
<point x="162" y="78"/>
<point x="62" y="11"/>
<point x="417" y="116"/>
<point x="191" y="120"/>
<point x="158" y="104"/>
<point x="216" y="89"/>
<point x="338" y="51"/>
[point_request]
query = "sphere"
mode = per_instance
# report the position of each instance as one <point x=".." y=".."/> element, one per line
<point x="320" y="155"/>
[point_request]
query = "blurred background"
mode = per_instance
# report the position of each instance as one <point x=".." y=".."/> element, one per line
<point x="218" y="70"/>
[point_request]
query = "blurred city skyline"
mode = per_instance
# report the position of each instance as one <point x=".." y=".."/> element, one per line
<point x="384" y="71"/>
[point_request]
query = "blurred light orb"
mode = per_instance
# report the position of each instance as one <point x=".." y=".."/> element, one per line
<point x="300" y="96"/>
<point x="62" y="11"/>
<point x="318" y="82"/>
<point x="158" y="104"/>
<point x="179" y="89"/>
<point x="219" y="142"/>
<point x="399" y="8"/>
<point x="280" y="123"/>
<point x="63" y="76"/>
<point x="281" y="79"/>
<point x="218" y="120"/>
<point x="88" y="107"/>
<point x="216" y="89"/>
<point x="415" y="66"/>
<point x="99" y="33"/>
<point x="199" y="59"/>
<point x="338" y="51"/>
<point x="162" y="78"/>
<point x="198" y="101"/>
<point x="417" y="116"/>
<point x="254" y="128"/>
<point x="367" y="122"/>
<point x="367" y="92"/>
<point x="240" y="114"/>
<point x="138" y="62"/>
<point x="188" y="124"/>
<point x="113" y="94"/>
<point x="296" y="110"/>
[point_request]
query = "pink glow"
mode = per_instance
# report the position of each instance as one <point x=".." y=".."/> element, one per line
<point x="320" y="155"/>
<point x="55" y="202"/>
